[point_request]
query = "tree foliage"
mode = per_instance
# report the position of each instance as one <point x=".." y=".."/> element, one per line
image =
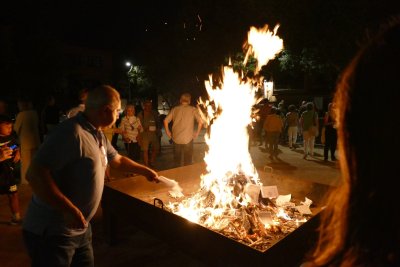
<point x="138" y="78"/>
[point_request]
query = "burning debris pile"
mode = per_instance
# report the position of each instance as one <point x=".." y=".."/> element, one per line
<point x="259" y="224"/>
<point x="232" y="200"/>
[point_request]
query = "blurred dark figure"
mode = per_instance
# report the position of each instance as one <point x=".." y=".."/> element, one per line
<point x="27" y="128"/>
<point x="49" y="116"/>
<point x="80" y="107"/>
<point x="360" y="224"/>
<point x="330" y="133"/>
<point x="3" y="107"/>
<point x="149" y="119"/>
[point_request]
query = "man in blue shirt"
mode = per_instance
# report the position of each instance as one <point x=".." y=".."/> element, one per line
<point x="67" y="179"/>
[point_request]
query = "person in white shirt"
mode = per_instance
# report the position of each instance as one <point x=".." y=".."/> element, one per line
<point x="182" y="134"/>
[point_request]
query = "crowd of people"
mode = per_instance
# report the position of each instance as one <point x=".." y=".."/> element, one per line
<point x="23" y="132"/>
<point x="274" y="126"/>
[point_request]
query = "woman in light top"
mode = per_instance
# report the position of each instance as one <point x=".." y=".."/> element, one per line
<point x="130" y="127"/>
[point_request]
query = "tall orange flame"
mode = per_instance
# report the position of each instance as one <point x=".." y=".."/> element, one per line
<point x="228" y="159"/>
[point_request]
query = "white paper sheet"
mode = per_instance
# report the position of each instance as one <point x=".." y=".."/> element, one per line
<point x="303" y="209"/>
<point x="269" y="191"/>
<point x="283" y="199"/>
<point x="176" y="190"/>
<point x="253" y="191"/>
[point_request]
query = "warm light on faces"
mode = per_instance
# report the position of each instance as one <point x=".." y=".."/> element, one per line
<point x="114" y="112"/>
<point x="130" y="111"/>
<point x="5" y="129"/>
<point x="147" y="106"/>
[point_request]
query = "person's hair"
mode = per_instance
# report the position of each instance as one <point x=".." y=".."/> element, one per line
<point x="292" y="108"/>
<point x="4" y="119"/>
<point x="101" y="96"/>
<point x="82" y="95"/>
<point x="130" y="105"/>
<point x="24" y="103"/>
<point x="185" y="98"/>
<point x="147" y="102"/>
<point x="360" y="224"/>
<point x="310" y="106"/>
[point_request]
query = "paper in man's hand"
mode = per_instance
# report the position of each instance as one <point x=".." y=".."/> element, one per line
<point x="176" y="190"/>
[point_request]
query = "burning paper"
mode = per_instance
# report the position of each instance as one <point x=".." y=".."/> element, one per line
<point x="253" y="191"/>
<point x="283" y="200"/>
<point x="307" y="202"/>
<point x="176" y="190"/>
<point x="304" y="208"/>
<point x="269" y="191"/>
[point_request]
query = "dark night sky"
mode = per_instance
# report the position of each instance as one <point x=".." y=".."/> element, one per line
<point x="192" y="38"/>
<point x="189" y="38"/>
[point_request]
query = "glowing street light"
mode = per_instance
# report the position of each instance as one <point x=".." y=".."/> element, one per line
<point x="129" y="64"/>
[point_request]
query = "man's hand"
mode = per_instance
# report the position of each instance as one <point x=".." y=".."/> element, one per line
<point x="168" y="133"/>
<point x="152" y="176"/>
<point x="17" y="156"/>
<point x="5" y="153"/>
<point x="74" y="219"/>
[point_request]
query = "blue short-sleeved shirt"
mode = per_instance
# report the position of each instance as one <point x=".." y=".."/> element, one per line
<point x="77" y="164"/>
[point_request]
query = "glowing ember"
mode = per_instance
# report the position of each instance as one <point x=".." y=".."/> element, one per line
<point x="228" y="199"/>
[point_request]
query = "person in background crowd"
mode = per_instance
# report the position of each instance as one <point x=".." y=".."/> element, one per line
<point x="150" y="135"/>
<point x="309" y="125"/>
<point x="50" y="116"/>
<point x="109" y="133"/>
<point x="116" y="132"/>
<point x="130" y="127"/>
<point x="330" y="133"/>
<point x="4" y="108"/>
<point x="264" y="111"/>
<point x="182" y="134"/>
<point x="360" y="222"/>
<point x="281" y="111"/>
<point x="81" y="106"/>
<point x="303" y="107"/>
<point x="9" y="156"/>
<point x="282" y="108"/>
<point x="292" y="122"/>
<point x="273" y="126"/>
<point x="67" y="180"/>
<point x="27" y="128"/>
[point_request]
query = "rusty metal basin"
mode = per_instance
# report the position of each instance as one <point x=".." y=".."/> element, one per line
<point x="132" y="200"/>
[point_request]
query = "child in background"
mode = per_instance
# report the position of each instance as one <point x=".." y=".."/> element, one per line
<point x="9" y="156"/>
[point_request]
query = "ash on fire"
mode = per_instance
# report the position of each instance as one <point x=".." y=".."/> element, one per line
<point x="259" y="223"/>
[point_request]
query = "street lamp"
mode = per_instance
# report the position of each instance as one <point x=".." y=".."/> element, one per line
<point x="129" y="64"/>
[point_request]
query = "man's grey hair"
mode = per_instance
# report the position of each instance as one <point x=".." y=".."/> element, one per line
<point x="103" y="95"/>
<point x="186" y="98"/>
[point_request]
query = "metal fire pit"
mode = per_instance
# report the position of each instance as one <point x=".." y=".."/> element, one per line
<point x="133" y="200"/>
